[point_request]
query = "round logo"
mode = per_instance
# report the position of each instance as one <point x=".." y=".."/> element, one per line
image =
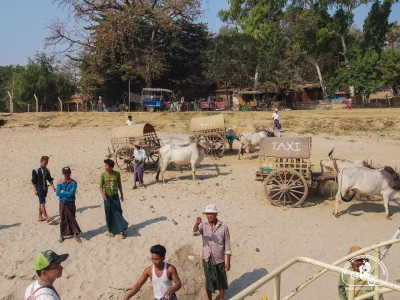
<point x="364" y="276"/>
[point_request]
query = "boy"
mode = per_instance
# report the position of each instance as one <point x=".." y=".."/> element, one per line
<point x="161" y="274"/>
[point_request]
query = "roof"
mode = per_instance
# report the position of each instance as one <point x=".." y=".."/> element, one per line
<point x="251" y="92"/>
<point x="231" y="90"/>
<point x="137" y="130"/>
<point x="157" y="90"/>
<point x="75" y="99"/>
<point x="313" y="85"/>
<point x="383" y="92"/>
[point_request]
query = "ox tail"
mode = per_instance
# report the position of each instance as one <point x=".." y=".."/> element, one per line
<point x="159" y="166"/>
<point x="340" y="188"/>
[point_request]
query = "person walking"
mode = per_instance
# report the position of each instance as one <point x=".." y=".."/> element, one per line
<point x="275" y="116"/>
<point x="48" y="268"/>
<point x="100" y="104"/>
<point x="110" y="183"/>
<point x="40" y="176"/>
<point x="66" y="189"/>
<point x="163" y="276"/>
<point x="140" y="155"/>
<point x="216" y="245"/>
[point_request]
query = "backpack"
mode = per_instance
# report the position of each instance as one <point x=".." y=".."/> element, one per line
<point x="33" y="292"/>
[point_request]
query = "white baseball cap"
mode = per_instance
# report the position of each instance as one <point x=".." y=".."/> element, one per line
<point x="211" y="209"/>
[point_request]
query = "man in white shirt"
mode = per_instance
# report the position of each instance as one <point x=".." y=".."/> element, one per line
<point x="48" y="267"/>
<point x="139" y="155"/>
<point x="130" y="121"/>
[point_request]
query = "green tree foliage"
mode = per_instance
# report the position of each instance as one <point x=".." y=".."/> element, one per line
<point x="141" y="41"/>
<point x="41" y="76"/>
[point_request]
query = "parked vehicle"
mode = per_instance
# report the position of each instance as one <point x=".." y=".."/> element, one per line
<point x="154" y="99"/>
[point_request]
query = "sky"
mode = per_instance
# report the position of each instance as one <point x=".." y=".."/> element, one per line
<point x="23" y="25"/>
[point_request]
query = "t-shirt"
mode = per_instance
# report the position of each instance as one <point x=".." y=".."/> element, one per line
<point x="275" y="116"/>
<point x="42" y="294"/>
<point x="130" y="122"/>
<point x="110" y="183"/>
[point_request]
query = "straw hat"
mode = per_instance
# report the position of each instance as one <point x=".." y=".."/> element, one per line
<point x="276" y="109"/>
<point x="354" y="249"/>
<point x="210" y="209"/>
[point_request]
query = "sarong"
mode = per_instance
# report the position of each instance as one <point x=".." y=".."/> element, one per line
<point x="68" y="224"/>
<point x="215" y="276"/>
<point x="114" y="219"/>
<point x="172" y="297"/>
<point x="138" y="171"/>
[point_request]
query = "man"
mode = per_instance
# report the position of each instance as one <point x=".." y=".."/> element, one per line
<point x="216" y="244"/>
<point x="275" y="115"/>
<point x="140" y="155"/>
<point x="40" y="177"/>
<point x="361" y="287"/>
<point x="161" y="274"/>
<point x="66" y="189"/>
<point x="110" y="183"/>
<point x="130" y="121"/>
<point x="48" y="267"/>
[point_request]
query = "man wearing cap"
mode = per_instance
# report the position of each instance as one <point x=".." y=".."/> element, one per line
<point x="66" y="189"/>
<point x="40" y="177"/>
<point x="139" y="155"/>
<point x="110" y="183"/>
<point x="360" y="287"/>
<point x="48" y="267"/>
<point x="216" y="245"/>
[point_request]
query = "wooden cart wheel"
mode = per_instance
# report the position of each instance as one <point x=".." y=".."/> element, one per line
<point x="150" y="108"/>
<point x="152" y="159"/>
<point x="285" y="187"/>
<point x="217" y="145"/>
<point x="124" y="157"/>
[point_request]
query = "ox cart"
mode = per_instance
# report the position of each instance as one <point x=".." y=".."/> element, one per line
<point x="213" y="129"/>
<point x="285" y="168"/>
<point x="123" y="140"/>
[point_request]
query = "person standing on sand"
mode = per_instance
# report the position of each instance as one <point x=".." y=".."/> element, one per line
<point x="40" y="177"/>
<point x="216" y="245"/>
<point x="161" y="274"/>
<point x="130" y="121"/>
<point x="66" y="189"/>
<point x="275" y="115"/>
<point x="140" y="155"/>
<point x="110" y="183"/>
<point x="48" y="267"/>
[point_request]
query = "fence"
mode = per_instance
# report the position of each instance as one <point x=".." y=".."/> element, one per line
<point x="276" y="274"/>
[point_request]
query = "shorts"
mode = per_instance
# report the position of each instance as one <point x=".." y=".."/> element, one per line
<point x="42" y="196"/>
<point x="173" y="297"/>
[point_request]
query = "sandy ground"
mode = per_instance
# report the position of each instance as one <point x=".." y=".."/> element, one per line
<point x="104" y="268"/>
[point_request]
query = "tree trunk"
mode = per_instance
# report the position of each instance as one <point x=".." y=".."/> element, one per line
<point x="315" y="63"/>
<point x="346" y="59"/>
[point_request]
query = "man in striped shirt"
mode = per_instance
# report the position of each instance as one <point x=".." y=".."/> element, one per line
<point x="216" y="245"/>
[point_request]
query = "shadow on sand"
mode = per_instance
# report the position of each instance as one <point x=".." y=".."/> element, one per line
<point x="9" y="226"/>
<point x="248" y="278"/>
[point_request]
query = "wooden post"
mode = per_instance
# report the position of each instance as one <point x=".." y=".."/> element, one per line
<point x="37" y="103"/>
<point x="11" y="102"/>
<point x="129" y="96"/>
<point x="77" y="107"/>
<point x="60" y="103"/>
<point x="28" y="107"/>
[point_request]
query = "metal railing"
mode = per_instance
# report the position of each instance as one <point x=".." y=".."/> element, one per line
<point x="276" y="274"/>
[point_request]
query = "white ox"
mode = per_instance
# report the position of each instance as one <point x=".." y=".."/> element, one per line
<point x="192" y="155"/>
<point x="249" y="140"/>
<point x="174" y="141"/>
<point x="367" y="182"/>
<point x="328" y="166"/>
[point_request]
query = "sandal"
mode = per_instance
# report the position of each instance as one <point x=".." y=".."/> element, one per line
<point x="122" y="235"/>
<point x="110" y="235"/>
<point x="49" y="219"/>
<point x="61" y="240"/>
<point x="78" y="240"/>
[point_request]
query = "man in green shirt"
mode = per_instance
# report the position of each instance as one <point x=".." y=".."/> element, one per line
<point x="110" y="183"/>
<point x="360" y="286"/>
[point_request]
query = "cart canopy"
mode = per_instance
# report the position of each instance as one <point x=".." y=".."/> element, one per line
<point x="286" y="147"/>
<point x="135" y="131"/>
<point x="208" y="123"/>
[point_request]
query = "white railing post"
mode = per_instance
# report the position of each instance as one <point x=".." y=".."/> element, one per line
<point x="11" y="102"/>
<point x="351" y="287"/>
<point x="77" y="107"/>
<point x="28" y="107"/>
<point x="277" y="287"/>
<point x="377" y="271"/>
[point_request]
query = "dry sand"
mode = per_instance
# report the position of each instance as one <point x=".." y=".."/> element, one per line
<point x="104" y="268"/>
